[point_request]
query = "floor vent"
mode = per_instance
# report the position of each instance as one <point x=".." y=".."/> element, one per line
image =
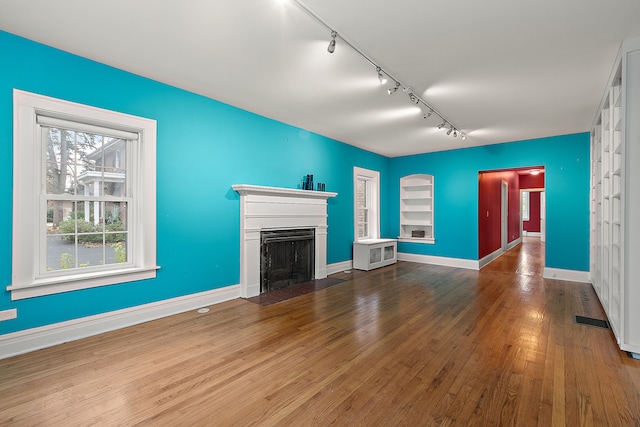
<point x="590" y="321"/>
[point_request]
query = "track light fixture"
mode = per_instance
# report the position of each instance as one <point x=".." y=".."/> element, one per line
<point x="332" y="43"/>
<point x="383" y="75"/>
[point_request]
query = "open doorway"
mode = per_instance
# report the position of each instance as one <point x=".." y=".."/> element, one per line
<point x="502" y="223"/>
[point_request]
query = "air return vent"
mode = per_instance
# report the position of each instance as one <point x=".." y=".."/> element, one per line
<point x="590" y="321"/>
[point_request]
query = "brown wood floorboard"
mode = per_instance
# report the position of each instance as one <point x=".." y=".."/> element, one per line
<point x="408" y="344"/>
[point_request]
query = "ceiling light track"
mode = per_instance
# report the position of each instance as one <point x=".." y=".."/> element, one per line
<point x="383" y="75"/>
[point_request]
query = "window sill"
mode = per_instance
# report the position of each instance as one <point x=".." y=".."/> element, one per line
<point x="423" y="240"/>
<point x="58" y="285"/>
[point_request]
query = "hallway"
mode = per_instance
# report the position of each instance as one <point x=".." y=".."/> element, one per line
<point x="525" y="259"/>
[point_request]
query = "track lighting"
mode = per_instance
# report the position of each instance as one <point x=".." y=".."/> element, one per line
<point x="332" y="43"/>
<point x="381" y="76"/>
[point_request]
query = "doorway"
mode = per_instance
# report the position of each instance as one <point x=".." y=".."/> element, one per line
<point x="500" y="222"/>
<point x="532" y="218"/>
<point x="504" y="215"/>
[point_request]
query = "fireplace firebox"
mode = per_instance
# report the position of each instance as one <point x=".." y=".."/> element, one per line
<point x="287" y="257"/>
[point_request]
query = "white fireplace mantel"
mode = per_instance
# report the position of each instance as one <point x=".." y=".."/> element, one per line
<point x="272" y="208"/>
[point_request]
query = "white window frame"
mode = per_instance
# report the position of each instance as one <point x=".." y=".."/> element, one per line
<point x="28" y="170"/>
<point x="373" y="196"/>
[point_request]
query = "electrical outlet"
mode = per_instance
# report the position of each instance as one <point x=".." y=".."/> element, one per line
<point x="8" y="314"/>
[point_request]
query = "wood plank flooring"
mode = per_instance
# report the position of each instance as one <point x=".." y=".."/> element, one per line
<point x="405" y="345"/>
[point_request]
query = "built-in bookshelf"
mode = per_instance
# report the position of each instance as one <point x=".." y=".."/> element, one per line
<point x="615" y="200"/>
<point x="416" y="208"/>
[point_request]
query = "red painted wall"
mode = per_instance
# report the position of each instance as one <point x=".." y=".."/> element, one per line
<point x="489" y="189"/>
<point x="532" y="181"/>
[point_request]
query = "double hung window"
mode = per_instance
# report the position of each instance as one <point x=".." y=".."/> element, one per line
<point x="366" y="203"/>
<point x="84" y="197"/>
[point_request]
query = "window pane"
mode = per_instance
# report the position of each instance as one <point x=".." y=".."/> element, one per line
<point x="60" y="161"/>
<point x="60" y="253"/>
<point x="525" y="205"/>
<point x="361" y="193"/>
<point x="84" y="164"/>
<point x="363" y="222"/>
<point x="80" y="240"/>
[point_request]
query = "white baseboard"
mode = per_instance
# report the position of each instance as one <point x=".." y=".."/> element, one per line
<point x="438" y="260"/>
<point x="568" y="275"/>
<point x="339" y="266"/>
<point x="492" y="256"/>
<point x="46" y="336"/>
<point x="514" y="243"/>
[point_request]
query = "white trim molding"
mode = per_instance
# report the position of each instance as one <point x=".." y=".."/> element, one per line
<point x="514" y="243"/>
<point x="568" y="275"/>
<point x="339" y="267"/>
<point x="33" y="339"/>
<point x="491" y="257"/>
<point x="468" y="264"/>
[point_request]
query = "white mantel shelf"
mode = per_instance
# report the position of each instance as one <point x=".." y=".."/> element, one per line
<point x="246" y="189"/>
<point x="272" y="208"/>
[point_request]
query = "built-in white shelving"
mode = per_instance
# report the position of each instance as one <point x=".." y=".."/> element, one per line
<point x="416" y="208"/>
<point x="615" y="200"/>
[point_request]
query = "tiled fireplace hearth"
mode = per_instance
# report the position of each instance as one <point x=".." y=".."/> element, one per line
<point x="272" y="208"/>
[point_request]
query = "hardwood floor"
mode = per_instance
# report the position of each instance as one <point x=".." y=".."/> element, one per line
<point x="408" y="344"/>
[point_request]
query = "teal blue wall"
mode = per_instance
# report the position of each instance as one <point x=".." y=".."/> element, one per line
<point x="203" y="148"/>
<point x="566" y="162"/>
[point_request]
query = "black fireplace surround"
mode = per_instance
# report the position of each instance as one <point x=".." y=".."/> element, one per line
<point x="286" y="257"/>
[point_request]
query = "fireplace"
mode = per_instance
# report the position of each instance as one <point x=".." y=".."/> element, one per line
<point x="287" y="258"/>
<point x="265" y="209"/>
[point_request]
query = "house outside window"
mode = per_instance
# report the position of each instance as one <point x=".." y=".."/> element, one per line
<point x="84" y="197"/>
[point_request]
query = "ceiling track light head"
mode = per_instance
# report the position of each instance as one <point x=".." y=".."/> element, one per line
<point x="455" y="133"/>
<point x="381" y="76"/>
<point x="394" y="89"/>
<point x="441" y="125"/>
<point x="464" y="137"/>
<point x="449" y="132"/>
<point x="413" y="98"/>
<point x="332" y="44"/>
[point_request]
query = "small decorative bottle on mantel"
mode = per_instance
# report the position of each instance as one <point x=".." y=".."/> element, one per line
<point x="307" y="182"/>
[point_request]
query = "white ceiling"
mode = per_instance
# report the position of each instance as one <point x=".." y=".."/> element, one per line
<point x="499" y="70"/>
